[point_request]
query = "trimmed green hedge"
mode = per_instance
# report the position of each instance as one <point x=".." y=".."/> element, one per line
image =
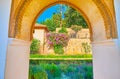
<point x="61" y="56"/>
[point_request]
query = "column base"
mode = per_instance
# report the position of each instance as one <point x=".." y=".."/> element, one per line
<point x="106" y="60"/>
<point x="17" y="62"/>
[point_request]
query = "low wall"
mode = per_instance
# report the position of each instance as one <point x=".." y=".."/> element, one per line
<point x="75" y="46"/>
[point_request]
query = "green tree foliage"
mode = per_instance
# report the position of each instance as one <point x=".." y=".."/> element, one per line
<point x="36" y="72"/>
<point x="73" y="17"/>
<point x="63" y="30"/>
<point x="57" y="19"/>
<point x="50" y="24"/>
<point x="53" y="23"/>
<point x="35" y="45"/>
<point x="76" y="28"/>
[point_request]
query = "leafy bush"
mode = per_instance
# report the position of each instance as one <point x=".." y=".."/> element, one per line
<point x="53" y="71"/>
<point x="58" y="49"/>
<point x="63" y="67"/>
<point x="57" y="41"/>
<point x="63" y="30"/>
<point x="70" y="68"/>
<point x="88" y="69"/>
<point x="36" y="72"/>
<point x="86" y="47"/>
<point x="76" y="28"/>
<point x="35" y="45"/>
<point x="58" y="69"/>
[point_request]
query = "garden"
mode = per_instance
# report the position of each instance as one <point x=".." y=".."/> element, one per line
<point x="61" y="69"/>
<point x="59" y="64"/>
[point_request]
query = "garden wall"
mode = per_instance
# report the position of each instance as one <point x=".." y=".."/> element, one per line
<point x="75" y="46"/>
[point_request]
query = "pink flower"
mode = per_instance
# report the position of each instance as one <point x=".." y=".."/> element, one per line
<point x="57" y="38"/>
<point x="48" y="34"/>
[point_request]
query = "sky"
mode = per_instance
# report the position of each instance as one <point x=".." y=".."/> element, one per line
<point x="47" y="13"/>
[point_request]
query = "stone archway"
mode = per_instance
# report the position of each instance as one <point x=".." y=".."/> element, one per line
<point x="94" y="12"/>
<point x="99" y="16"/>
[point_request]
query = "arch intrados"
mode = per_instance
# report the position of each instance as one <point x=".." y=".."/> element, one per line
<point x="66" y="3"/>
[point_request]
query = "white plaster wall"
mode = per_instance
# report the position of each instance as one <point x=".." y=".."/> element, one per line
<point x="4" y="21"/>
<point x="106" y="60"/>
<point x="17" y="61"/>
<point x="39" y="34"/>
<point x="117" y="11"/>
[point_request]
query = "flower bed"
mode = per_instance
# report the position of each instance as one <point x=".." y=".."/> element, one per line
<point x="60" y="69"/>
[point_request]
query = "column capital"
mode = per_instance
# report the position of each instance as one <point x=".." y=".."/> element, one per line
<point x="105" y="42"/>
<point x="14" y="41"/>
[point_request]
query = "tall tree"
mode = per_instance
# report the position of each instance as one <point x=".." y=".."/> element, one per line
<point x="57" y="17"/>
<point x="73" y="17"/>
<point x="61" y="10"/>
<point x="53" y="22"/>
<point x="64" y="16"/>
<point x="50" y="24"/>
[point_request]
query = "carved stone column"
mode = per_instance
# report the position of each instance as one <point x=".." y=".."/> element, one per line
<point x="106" y="60"/>
<point x="17" y="62"/>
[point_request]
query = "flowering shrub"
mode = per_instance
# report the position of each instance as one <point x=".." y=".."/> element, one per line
<point x="57" y="40"/>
